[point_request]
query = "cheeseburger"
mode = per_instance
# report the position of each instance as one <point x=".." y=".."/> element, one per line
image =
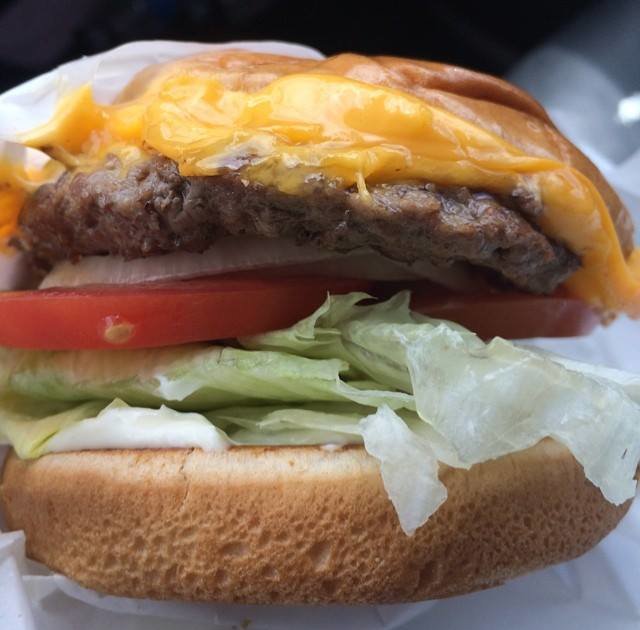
<point x="263" y="351"/>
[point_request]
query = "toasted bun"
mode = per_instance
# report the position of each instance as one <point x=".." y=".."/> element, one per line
<point x="489" y="102"/>
<point x="295" y="525"/>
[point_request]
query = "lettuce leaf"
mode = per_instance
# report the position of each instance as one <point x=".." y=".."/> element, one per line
<point x="120" y="426"/>
<point x="188" y="378"/>
<point x="28" y="426"/>
<point x="329" y="423"/>
<point x="507" y="398"/>
<point x="366" y="337"/>
<point x="408" y="466"/>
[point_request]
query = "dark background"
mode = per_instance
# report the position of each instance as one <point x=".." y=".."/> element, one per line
<point x="36" y="35"/>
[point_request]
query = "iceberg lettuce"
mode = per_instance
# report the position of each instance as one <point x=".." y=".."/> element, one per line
<point x="188" y="378"/>
<point x="28" y="426"/>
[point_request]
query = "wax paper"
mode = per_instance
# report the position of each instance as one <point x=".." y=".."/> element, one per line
<point x="596" y="591"/>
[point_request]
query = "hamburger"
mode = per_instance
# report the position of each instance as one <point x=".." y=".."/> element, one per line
<point x="264" y="352"/>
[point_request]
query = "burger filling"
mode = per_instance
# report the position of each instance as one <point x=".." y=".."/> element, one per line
<point x="151" y="209"/>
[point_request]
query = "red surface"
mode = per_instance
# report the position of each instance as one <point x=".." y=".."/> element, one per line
<point x="222" y="307"/>
<point x="510" y="315"/>
<point x="161" y="314"/>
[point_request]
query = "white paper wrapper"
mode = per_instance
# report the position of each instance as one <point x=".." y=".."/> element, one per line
<point x="598" y="590"/>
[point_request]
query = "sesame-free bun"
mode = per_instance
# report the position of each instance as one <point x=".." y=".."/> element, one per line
<point x="295" y="524"/>
<point x="491" y="103"/>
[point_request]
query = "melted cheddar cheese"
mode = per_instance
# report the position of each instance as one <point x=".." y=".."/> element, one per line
<point x="16" y="182"/>
<point x="303" y="125"/>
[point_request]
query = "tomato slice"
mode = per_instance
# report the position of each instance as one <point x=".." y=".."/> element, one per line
<point x="509" y="315"/>
<point x="163" y="314"/>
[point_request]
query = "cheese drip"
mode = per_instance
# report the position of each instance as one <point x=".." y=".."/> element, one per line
<point x="304" y="125"/>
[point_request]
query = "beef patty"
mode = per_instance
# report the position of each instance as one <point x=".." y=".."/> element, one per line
<point x="152" y="209"/>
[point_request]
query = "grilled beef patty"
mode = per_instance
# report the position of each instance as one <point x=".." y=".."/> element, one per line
<point x="152" y="210"/>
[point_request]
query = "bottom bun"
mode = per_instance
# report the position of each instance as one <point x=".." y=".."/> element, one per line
<point x="287" y="525"/>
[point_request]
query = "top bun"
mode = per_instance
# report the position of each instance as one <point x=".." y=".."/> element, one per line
<point x="486" y="101"/>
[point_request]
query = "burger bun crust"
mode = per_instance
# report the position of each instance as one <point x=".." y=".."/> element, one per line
<point x="295" y="525"/>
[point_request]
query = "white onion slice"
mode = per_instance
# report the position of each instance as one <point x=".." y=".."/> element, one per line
<point x="227" y="255"/>
<point x="246" y="253"/>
